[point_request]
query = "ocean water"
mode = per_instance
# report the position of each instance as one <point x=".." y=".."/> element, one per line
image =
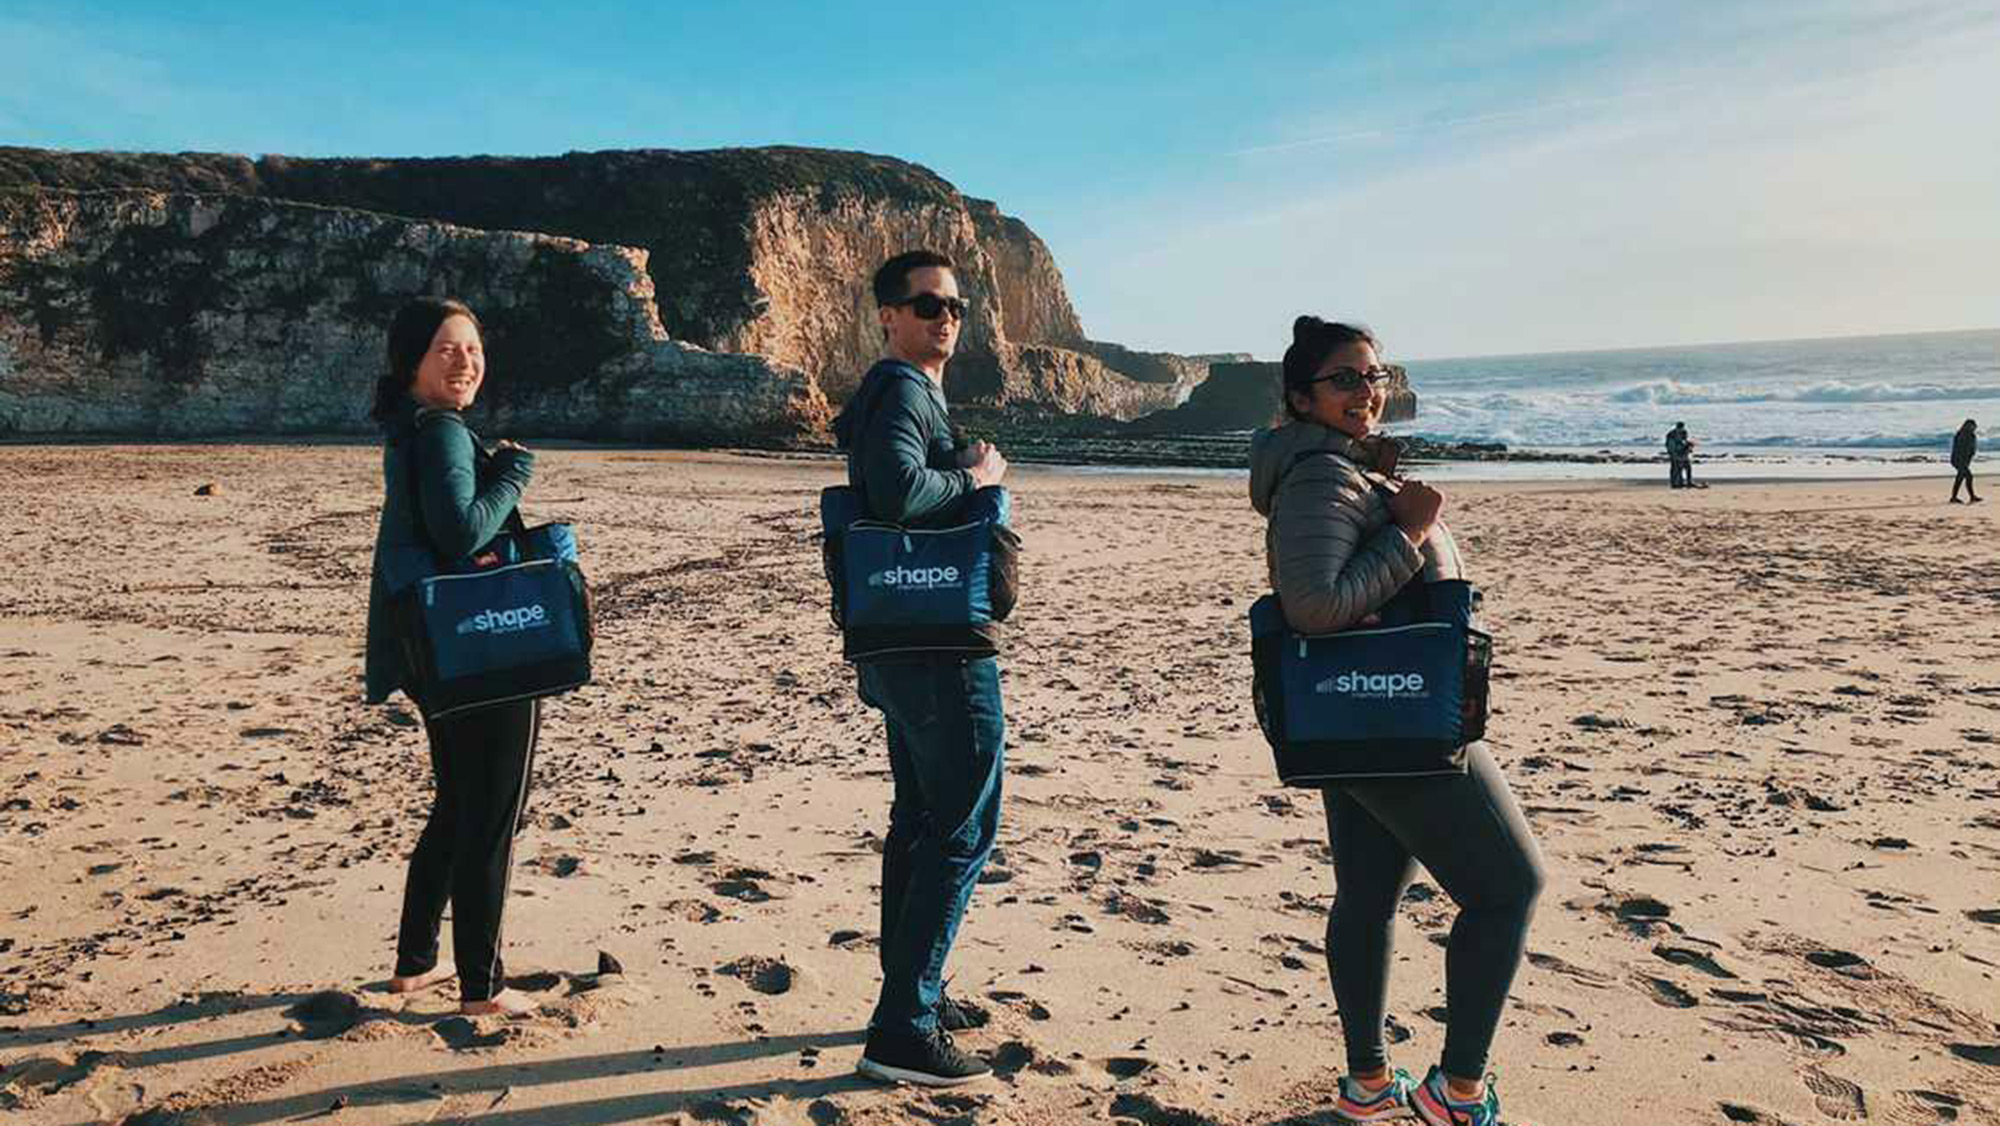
<point x="1869" y="404"/>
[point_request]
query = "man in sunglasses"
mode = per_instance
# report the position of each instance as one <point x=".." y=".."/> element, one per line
<point x="940" y="703"/>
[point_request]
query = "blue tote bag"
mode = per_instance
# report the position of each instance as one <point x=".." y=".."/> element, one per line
<point x="509" y="622"/>
<point x="1400" y="699"/>
<point x="913" y="590"/>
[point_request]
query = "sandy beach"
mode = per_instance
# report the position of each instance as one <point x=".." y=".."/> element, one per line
<point x="1756" y="727"/>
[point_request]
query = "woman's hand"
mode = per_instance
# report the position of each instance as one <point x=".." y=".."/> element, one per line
<point x="508" y="444"/>
<point x="1415" y="508"/>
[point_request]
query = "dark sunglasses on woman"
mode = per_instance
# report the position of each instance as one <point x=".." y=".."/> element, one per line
<point x="1353" y="379"/>
<point x="930" y="306"/>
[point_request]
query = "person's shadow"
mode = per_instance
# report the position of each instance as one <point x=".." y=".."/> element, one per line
<point x="501" y="1079"/>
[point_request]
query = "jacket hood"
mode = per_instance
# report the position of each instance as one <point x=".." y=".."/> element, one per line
<point x="1272" y="452"/>
<point x="402" y="418"/>
<point x="846" y="424"/>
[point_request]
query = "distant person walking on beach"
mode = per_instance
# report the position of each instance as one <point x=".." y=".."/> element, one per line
<point x="1340" y="545"/>
<point x="443" y="491"/>
<point x="1680" y="457"/>
<point x="939" y="695"/>
<point x="1964" y="446"/>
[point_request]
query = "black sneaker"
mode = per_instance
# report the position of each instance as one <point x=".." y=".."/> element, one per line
<point x="928" y="1061"/>
<point x="960" y="1016"/>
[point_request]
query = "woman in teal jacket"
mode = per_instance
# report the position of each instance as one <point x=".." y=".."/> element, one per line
<point x="443" y="491"/>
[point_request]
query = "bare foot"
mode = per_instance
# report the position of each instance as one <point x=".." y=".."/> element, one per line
<point x="443" y="971"/>
<point x="505" y="1003"/>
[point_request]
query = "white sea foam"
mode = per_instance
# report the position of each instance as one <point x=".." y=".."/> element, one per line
<point x="1876" y="394"/>
<point x="1669" y="392"/>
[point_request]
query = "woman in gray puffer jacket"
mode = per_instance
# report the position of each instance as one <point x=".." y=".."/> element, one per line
<point x="1344" y="536"/>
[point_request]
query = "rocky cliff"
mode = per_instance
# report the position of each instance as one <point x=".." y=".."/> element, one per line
<point x="176" y="314"/>
<point x="1245" y="395"/>
<point x="766" y="251"/>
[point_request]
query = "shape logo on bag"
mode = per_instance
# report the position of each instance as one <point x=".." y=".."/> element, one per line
<point x="514" y="619"/>
<point x="917" y="578"/>
<point x="1374" y="686"/>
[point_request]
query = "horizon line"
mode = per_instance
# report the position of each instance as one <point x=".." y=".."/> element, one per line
<point x="1706" y="344"/>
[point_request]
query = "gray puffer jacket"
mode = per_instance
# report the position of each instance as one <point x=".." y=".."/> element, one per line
<point x="1334" y="553"/>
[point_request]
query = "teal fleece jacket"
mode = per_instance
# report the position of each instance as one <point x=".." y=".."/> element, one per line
<point x="466" y="496"/>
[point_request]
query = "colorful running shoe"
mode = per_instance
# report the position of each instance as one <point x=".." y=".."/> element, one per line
<point x="1392" y="1101"/>
<point x="1434" y="1104"/>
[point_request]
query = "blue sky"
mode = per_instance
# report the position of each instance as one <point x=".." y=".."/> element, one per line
<point x="1469" y="178"/>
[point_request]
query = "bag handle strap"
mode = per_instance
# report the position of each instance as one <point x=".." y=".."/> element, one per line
<point x="1387" y="484"/>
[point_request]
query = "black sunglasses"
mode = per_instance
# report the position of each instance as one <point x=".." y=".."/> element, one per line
<point x="931" y="306"/>
<point x="1353" y="379"/>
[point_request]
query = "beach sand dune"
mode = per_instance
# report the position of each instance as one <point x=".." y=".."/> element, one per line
<point x="1757" y="729"/>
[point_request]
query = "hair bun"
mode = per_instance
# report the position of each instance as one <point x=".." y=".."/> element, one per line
<point x="1306" y="326"/>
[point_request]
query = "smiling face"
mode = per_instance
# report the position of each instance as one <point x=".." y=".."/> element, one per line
<point x="1355" y="413"/>
<point x="453" y="368"/>
<point x="925" y="343"/>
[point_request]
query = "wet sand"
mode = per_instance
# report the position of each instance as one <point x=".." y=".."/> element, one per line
<point x="1757" y="729"/>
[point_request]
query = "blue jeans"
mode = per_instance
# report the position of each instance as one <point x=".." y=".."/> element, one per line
<point x="946" y="734"/>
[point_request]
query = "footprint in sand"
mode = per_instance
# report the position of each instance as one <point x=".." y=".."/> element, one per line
<point x="1735" y="1112"/>
<point x="1021" y="1001"/>
<point x="1923" y="1108"/>
<point x="1136" y="909"/>
<point x="692" y="910"/>
<point x="1574" y="972"/>
<point x="1015" y="1056"/>
<point x="1149" y="1111"/>
<point x="770" y="976"/>
<point x="327" y="1014"/>
<point x="1126" y="1067"/>
<point x="461" y="1034"/>
<point x="1841" y="962"/>
<point x="739" y="887"/>
<point x="1987" y="1054"/>
<point x="1664" y="992"/>
<point x="1692" y="959"/>
<point x="1836" y="1097"/>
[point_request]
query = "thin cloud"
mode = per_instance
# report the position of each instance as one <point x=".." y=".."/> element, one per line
<point x="1463" y="122"/>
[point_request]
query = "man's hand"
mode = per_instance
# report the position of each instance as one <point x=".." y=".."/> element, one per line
<point x="984" y="461"/>
<point x="1415" y="508"/>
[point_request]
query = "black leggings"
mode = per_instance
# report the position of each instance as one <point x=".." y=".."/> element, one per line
<point x="481" y="761"/>
<point x="1964" y="478"/>
<point x="1468" y="831"/>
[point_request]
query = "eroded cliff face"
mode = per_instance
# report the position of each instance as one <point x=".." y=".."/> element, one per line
<point x="166" y="313"/>
<point x="767" y="251"/>
<point x="1246" y="395"/>
<point x="1026" y="282"/>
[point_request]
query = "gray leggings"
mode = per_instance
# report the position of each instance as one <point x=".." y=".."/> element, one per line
<point x="1467" y="830"/>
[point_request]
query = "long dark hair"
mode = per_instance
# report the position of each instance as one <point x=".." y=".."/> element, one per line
<point x="410" y="334"/>
<point x="1313" y="340"/>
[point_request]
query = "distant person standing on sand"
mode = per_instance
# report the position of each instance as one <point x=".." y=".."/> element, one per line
<point x="1338" y="551"/>
<point x="1964" y="446"/>
<point x="941" y="701"/>
<point x="1680" y="457"/>
<point x="443" y="491"/>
